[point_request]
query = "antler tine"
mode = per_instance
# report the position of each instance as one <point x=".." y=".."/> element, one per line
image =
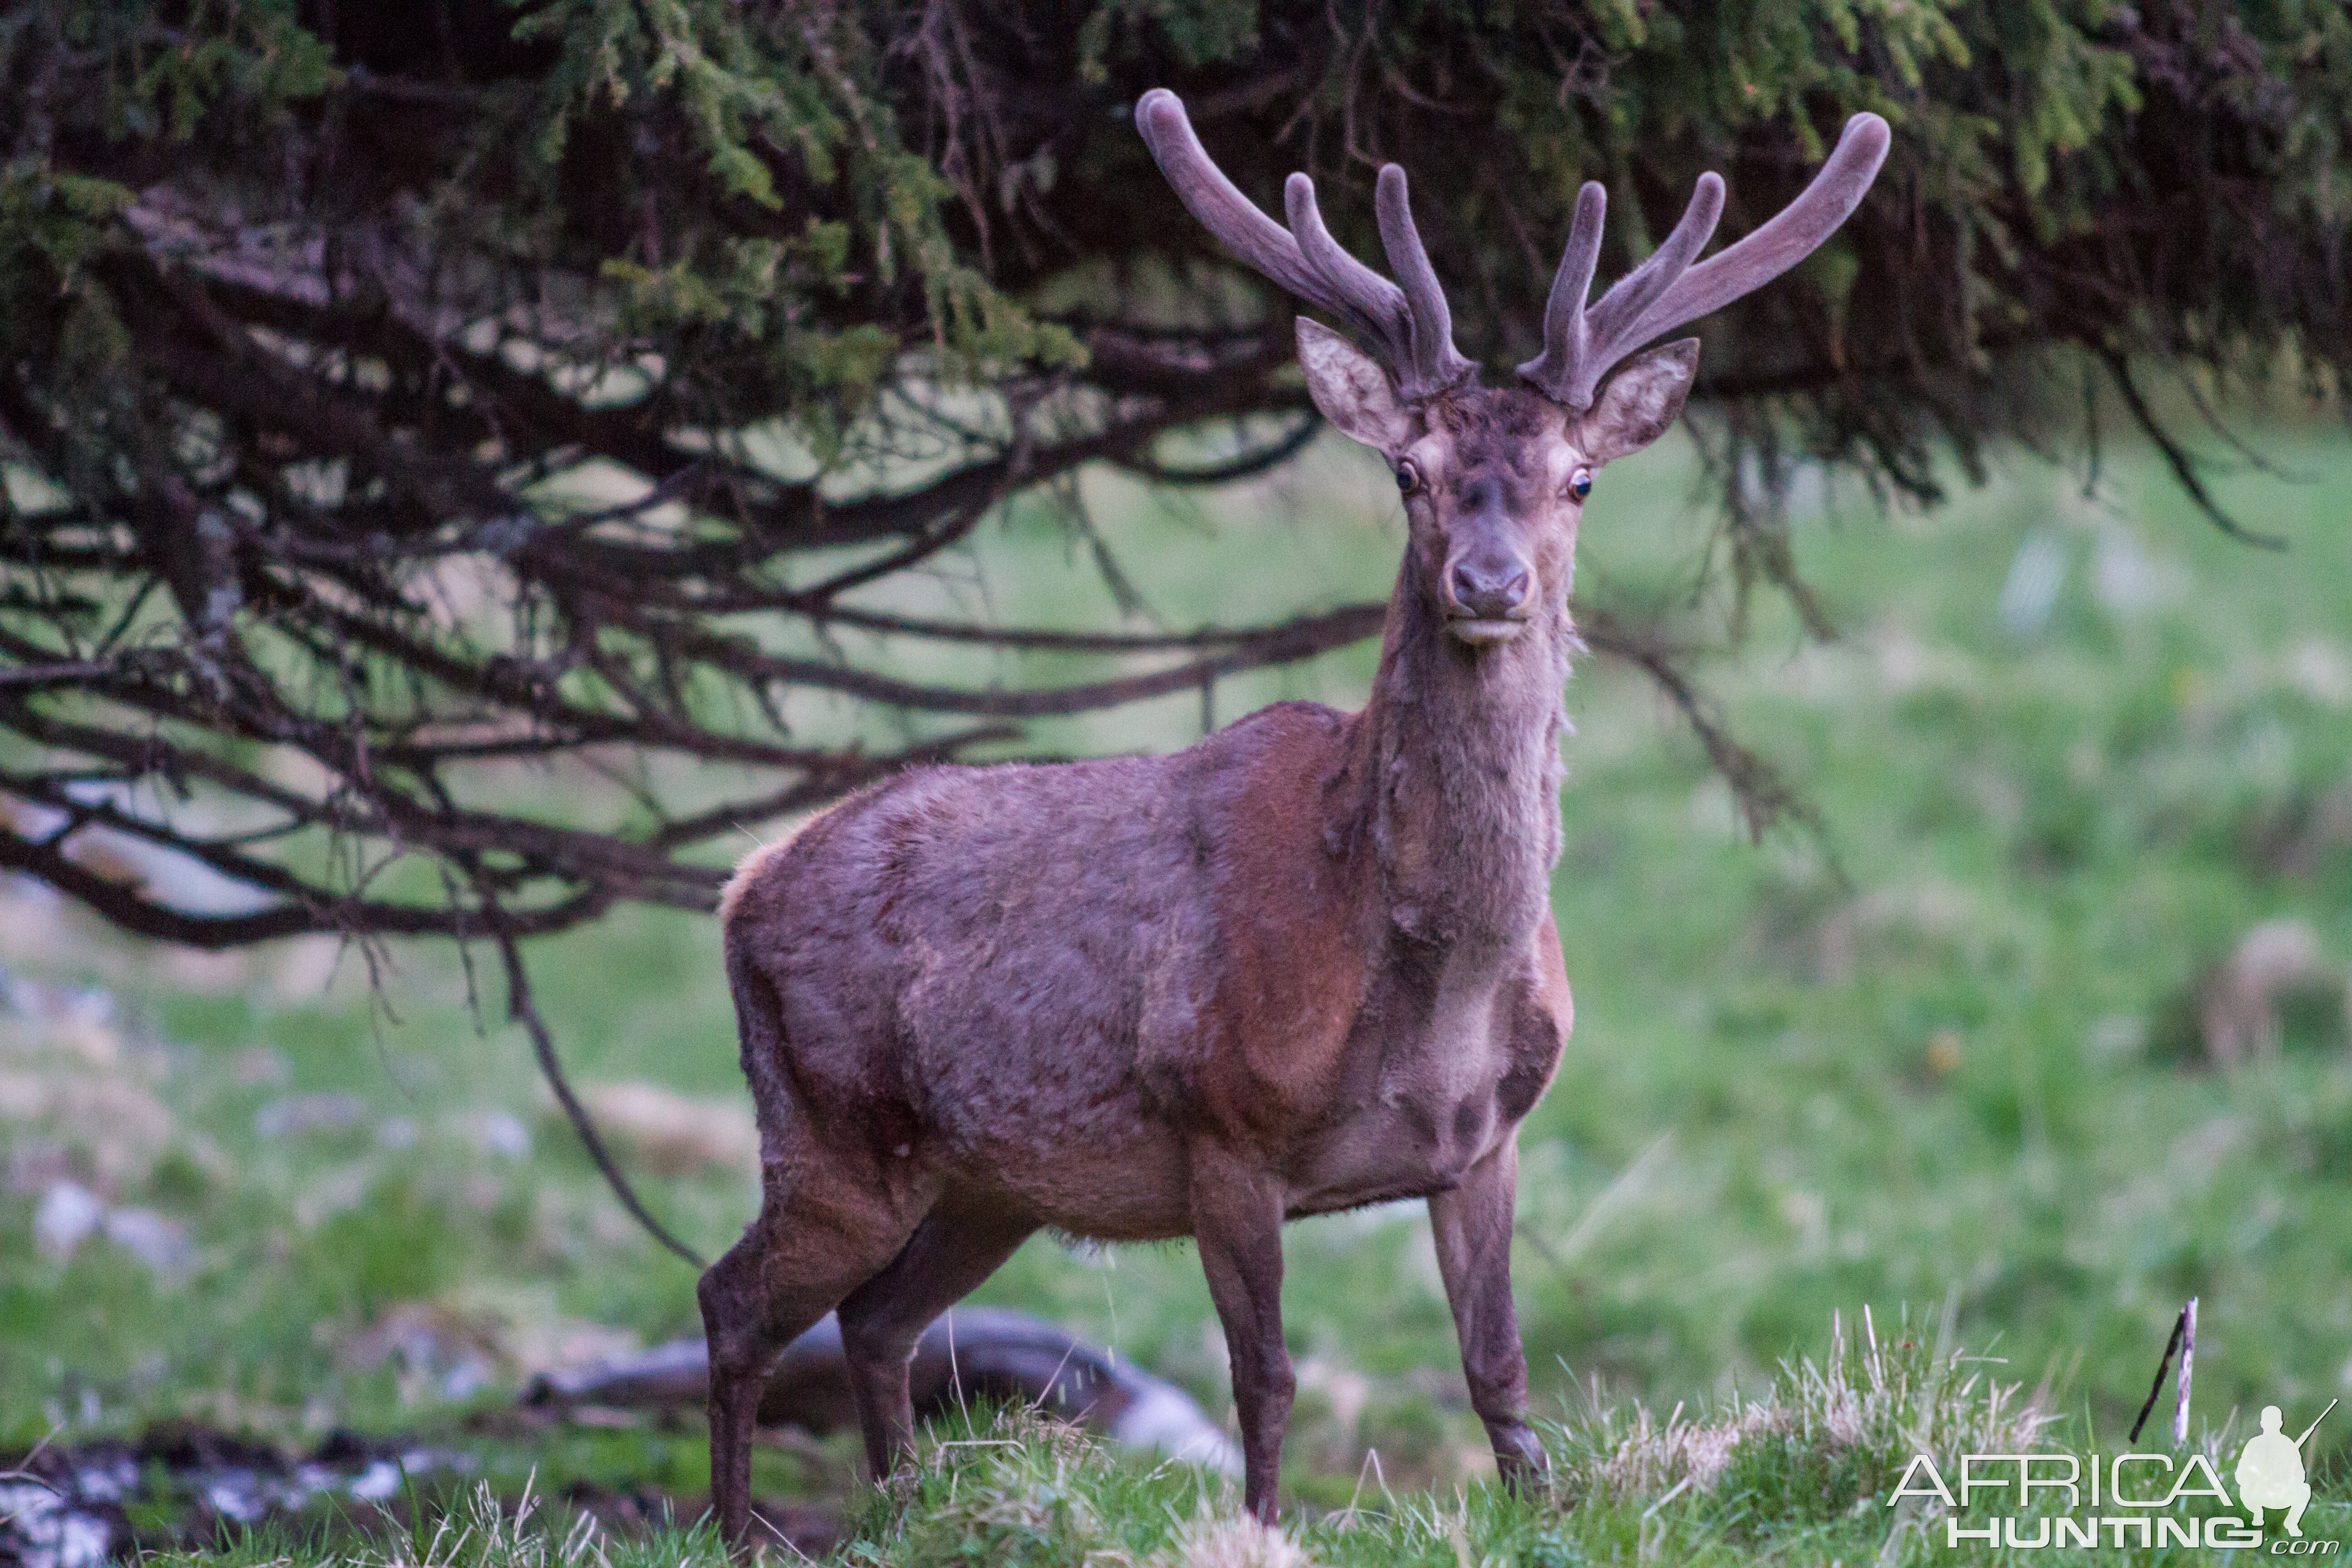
<point x="1213" y="199"/>
<point x="1565" y="338"/>
<point x="1409" y="327"/>
<point x="1794" y="233"/>
<point x="1435" y="358"/>
<point x="1633" y="294"/>
<point x="1580" y="345"/>
<point x="1373" y="305"/>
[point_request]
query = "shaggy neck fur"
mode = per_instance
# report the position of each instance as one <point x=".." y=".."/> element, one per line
<point x="1454" y="773"/>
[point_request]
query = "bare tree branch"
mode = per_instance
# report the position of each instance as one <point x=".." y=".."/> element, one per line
<point x="523" y="1010"/>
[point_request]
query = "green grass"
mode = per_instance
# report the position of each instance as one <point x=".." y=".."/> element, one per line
<point x="1938" y="1057"/>
<point x="1799" y="1475"/>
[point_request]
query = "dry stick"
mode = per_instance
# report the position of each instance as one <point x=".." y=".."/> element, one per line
<point x="520" y="1007"/>
<point x="2171" y="1345"/>
<point x="2188" y="1371"/>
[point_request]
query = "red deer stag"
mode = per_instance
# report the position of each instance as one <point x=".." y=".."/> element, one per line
<point x="1308" y="964"/>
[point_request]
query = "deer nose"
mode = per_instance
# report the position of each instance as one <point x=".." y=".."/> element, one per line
<point x="1491" y="588"/>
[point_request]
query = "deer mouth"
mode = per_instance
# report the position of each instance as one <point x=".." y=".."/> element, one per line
<point x="1485" y="631"/>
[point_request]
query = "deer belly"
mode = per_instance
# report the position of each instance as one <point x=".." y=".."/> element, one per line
<point x="1135" y="1192"/>
<point x="1065" y="1131"/>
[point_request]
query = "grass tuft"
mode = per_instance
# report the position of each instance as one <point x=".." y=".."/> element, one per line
<point x="1237" y="1541"/>
<point x="1829" y="1435"/>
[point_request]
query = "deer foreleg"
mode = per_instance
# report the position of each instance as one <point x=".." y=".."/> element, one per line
<point x="1472" y="1226"/>
<point x="1237" y="1219"/>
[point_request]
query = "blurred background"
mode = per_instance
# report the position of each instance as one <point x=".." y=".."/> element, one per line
<point x="471" y="478"/>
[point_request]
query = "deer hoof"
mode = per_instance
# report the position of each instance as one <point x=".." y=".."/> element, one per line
<point x="1519" y="1457"/>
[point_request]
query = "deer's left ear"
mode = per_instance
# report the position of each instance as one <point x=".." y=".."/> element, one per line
<point x="1354" y="394"/>
<point x="1639" y="403"/>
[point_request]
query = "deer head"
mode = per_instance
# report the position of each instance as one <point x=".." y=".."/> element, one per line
<point x="1495" y="480"/>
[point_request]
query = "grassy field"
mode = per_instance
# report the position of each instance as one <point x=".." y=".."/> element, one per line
<point x="1945" y="1057"/>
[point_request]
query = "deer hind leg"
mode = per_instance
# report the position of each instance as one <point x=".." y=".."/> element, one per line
<point x="958" y="1246"/>
<point x="825" y="1227"/>
<point x="1237" y="1220"/>
<point x="1471" y="1227"/>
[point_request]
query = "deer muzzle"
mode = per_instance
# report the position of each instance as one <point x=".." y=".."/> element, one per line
<point x="1489" y="589"/>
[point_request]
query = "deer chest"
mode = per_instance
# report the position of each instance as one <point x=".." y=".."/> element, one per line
<point x="1436" y="1076"/>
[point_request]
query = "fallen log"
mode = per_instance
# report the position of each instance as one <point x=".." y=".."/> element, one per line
<point x="972" y="1354"/>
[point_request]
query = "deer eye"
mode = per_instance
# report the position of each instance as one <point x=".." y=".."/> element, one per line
<point x="1580" y="483"/>
<point x="1408" y="476"/>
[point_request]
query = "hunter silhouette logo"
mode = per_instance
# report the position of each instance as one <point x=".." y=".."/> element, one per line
<point x="2270" y="1472"/>
<point x="2131" y="1497"/>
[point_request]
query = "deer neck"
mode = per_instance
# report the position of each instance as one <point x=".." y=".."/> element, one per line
<point x="1452" y="782"/>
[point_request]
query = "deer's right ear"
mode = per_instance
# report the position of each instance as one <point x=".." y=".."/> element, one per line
<point x="1354" y="394"/>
